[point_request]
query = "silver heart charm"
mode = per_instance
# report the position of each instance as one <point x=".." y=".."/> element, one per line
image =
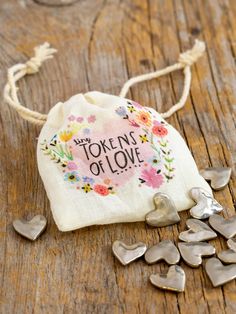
<point x="165" y="212"/>
<point x="226" y="227"/>
<point x="219" y="176"/>
<point x="192" y="252"/>
<point x="232" y="244"/>
<point x="164" y="250"/>
<point x="31" y="229"/>
<point x="206" y="204"/>
<point x="218" y="273"/>
<point x="198" y="231"/>
<point x="229" y="256"/>
<point x="128" y="253"/>
<point x="174" y="280"/>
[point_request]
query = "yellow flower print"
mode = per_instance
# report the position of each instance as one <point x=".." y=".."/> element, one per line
<point x="143" y="138"/>
<point x="75" y="127"/>
<point x="131" y="108"/>
<point x="65" y="136"/>
<point x="144" y="118"/>
<point x="87" y="188"/>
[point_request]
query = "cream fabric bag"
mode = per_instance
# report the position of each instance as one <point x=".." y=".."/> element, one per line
<point x="103" y="157"/>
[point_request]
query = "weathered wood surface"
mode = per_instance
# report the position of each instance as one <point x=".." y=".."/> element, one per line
<point x="101" y="44"/>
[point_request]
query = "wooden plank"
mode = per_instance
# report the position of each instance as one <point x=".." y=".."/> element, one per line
<point x="101" y="44"/>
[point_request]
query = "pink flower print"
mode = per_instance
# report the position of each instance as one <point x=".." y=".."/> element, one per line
<point x="91" y="119"/>
<point x="155" y="122"/>
<point x="72" y="165"/>
<point x="136" y="104"/>
<point x="71" y="117"/>
<point x="133" y="123"/>
<point x="80" y="119"/>
<point x="152" y="178"/>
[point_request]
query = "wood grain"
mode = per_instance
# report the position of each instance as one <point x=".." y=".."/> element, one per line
<point x="101" y="43"/>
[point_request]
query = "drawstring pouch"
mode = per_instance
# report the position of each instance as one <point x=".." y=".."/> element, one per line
<point x="103" y="157"/>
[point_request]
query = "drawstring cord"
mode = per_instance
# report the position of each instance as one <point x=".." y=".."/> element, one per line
<point x="186" y="59"/>
<point x="44" y="52"/>
<point x="15" y="73"/>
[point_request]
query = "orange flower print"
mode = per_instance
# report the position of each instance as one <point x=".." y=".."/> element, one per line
<point x="144" y="118"/>
<point x="107" y="181"/>
<point x="65" y="136"/>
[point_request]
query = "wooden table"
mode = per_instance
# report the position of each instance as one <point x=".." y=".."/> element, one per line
<point x="100" y="45"/>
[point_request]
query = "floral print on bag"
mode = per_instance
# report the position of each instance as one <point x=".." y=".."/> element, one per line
<point x="154" y="132"/>
<point x="100" y="161"/>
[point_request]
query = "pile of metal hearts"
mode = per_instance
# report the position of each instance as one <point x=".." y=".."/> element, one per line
<point x="193" y="247"/>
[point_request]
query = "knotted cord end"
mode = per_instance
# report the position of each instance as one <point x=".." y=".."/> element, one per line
<point x="190" y="56"/>
<point x="16" y="72"/>
<point x="186" y="59"/>
<point x="42" y="53"/>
